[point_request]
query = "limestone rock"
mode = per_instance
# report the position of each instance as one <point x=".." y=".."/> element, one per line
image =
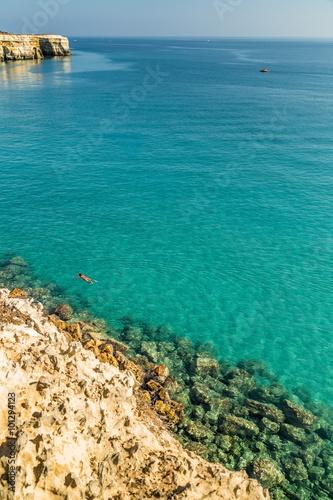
<point x="14" y="47"/>
<point x="129" y="365"/>
<point x="160" y="373"/>
<point x="16" y="293"/>
<point x="166" y="411"/>
<point x="82" y="434"/>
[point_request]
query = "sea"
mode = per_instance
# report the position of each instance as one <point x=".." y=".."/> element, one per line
<point x="195" y="189"/>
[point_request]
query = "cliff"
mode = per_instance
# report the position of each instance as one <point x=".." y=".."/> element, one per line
<point x="16" y="47"/>
<point x="75" y="428"/>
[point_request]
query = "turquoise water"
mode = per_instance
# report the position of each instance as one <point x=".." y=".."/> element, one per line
<point x="196" y="190"/>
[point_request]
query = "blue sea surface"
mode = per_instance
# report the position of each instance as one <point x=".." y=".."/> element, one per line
<point x="195" y="189"/>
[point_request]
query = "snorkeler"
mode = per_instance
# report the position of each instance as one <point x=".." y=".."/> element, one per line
<point x="88" y="280"/>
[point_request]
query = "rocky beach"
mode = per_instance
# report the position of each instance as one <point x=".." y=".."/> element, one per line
<point x="139" y="405"/>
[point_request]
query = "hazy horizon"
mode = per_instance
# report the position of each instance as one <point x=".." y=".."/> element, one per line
<point x="130" y="18"/>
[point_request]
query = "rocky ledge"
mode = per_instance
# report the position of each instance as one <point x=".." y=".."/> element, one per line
<point x="80" y="430"/>
<point x="17" y="47"/>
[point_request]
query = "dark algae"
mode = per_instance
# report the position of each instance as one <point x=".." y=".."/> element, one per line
<point x="240" y="416"/>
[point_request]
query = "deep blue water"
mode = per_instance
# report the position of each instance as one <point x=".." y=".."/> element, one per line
<point x="196" y="190"/>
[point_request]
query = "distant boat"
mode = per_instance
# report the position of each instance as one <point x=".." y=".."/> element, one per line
<point x="265" y="70"/>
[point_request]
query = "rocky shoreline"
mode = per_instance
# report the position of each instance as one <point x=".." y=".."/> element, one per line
<point x="239" y="416"/>
<point x="80" y="429"/>
<point x="17" y="47"/>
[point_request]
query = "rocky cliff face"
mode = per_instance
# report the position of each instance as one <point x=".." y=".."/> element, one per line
<point x="16" y="47"/>
<point x="77" y="429"/>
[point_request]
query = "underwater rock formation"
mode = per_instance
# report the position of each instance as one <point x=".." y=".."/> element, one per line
<point x="15" y="47"/>
<point x="80" y="432"/>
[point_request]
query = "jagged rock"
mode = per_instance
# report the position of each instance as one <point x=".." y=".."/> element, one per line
<point x="146" y="396"/>
<point x="267" y="472"/>
<point x="264" y="410"/>
<point x="198" y="412"/>
<point x="17" y="293"/>
<point x="160" y="373"/>
<point x="316" y="473"/>
<point x="166" y="411"/>
<point x="297" y="415"/>
<point x="143" y="363"/>
<point x="106" y="349"/>
<point x="163" y="395"/>
<point x="87" y="435"/>
<point x="74" y="331"/>
<point x="43" y="383"/>
<point x="117" y="346"/>
<point x="62" y="325"/>
<point x="64" y="311"/>
<point x="219" y="405"/>
<point x="235" y="425"/>
<point x="128" y="365"/>
<point x="153" y="386"/>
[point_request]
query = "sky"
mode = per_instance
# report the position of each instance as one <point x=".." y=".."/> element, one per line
<point x="242" y="18"/>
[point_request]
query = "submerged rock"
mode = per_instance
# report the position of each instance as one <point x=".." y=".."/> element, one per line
<point x="149" y="349"/>
<point x="205" y="364"/>
<point x="297" y="415"/>
<point x="64" y="311"/>
<point x="241" y="380"/>
<point x="295" y="434"/>
<point x="17" y="261"/>
<point x="235" y="425"/>
<point x="198" y="432"/>
<point x="264" y="410"/>
<point x="200" y="393"/>
<point x="267" y="472"/>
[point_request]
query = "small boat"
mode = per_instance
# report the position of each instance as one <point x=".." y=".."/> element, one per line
<point x="265" y="70"/>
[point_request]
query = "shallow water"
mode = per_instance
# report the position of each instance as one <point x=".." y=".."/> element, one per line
<point x="198" y="196"/>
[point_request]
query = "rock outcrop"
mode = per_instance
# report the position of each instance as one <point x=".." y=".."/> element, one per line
<point x="17" y="47"/>
<point x="81" y="432"/>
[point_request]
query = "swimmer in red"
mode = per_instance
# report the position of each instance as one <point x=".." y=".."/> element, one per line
<point x="88" y="280"/>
